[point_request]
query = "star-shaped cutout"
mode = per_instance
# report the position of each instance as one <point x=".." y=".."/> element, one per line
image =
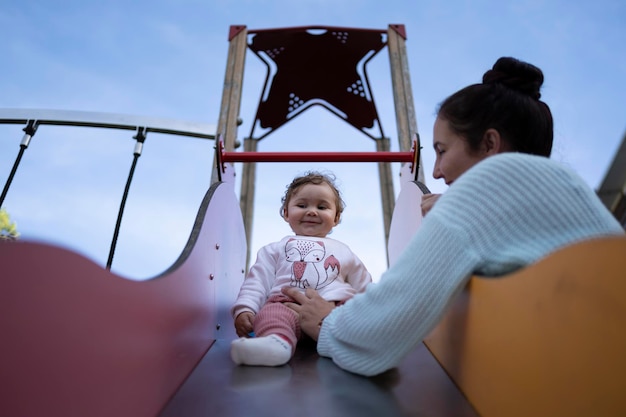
<point x="317" y="66"/>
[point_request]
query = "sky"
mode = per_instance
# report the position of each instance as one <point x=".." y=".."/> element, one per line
<point x="167" y="59"/>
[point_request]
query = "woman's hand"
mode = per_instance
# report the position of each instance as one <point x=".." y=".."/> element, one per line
<point x="428" y="201"/>
<point x="311" y="309"/>
<point x="243" y="324"/>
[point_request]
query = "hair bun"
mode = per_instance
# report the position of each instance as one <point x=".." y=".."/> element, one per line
<point x="517" y="75"/>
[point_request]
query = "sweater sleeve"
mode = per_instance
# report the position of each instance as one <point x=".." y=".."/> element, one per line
<point x="257" y="285"/>
<point x="359" y="277"/>
<point x="374" y="330"/>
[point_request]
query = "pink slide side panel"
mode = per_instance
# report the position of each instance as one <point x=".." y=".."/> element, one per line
<point x="407" y="214"/>
<point x="78" y="340"/>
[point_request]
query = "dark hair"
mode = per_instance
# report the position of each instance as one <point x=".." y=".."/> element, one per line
<point x="508" y="101"/>
<point x="312" y="177"/>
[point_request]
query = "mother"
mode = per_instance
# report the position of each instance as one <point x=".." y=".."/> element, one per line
<point x="508" y="205"/>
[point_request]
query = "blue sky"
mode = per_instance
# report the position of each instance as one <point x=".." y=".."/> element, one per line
<point x="167" y="59"/>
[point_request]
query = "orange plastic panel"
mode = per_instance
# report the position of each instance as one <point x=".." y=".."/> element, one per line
<point x="549" y="340"/>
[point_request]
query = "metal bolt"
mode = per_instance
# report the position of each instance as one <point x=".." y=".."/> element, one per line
<point x="217" y="246"/>
<point x="211" y="276"/>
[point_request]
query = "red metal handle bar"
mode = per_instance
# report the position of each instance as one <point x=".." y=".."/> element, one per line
<point x="224" y="157"/>
<point x="317" y="156"/>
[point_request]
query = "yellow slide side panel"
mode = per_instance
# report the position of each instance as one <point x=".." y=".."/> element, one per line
<point x="549" y="340"/>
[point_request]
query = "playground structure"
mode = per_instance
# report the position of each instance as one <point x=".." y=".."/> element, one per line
<point x="82" y="341"/>
<point x="299" y="61"/>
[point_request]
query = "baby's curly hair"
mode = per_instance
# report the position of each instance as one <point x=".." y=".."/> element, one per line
<point x="313" y="177"/>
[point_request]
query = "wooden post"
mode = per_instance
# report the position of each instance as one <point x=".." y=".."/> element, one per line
<point x="246" y="199"/>
<point x="231" y="95"/>
<point x="387" y="193"/>
<point x="402" y="92"/>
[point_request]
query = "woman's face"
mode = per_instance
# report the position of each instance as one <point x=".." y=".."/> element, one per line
<point x="454" y="155"/>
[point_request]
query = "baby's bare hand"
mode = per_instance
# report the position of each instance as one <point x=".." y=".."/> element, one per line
<point x="244" y="324"/>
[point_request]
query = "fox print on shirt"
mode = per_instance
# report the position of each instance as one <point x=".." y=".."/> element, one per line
<point x="306" y="256"/>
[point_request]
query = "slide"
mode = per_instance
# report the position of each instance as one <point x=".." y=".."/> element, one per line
<point x="78" y="340"/>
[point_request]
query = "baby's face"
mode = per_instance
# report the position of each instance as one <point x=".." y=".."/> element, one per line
<point x="312" y="211"/>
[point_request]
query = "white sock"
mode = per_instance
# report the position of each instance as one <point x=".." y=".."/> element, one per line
<point x="269" y="350"/>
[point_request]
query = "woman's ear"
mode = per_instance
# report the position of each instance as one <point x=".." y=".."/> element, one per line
<point x="492" y="142"/>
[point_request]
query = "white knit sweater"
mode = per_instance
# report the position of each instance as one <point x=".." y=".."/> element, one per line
<point x="506" y="212"/>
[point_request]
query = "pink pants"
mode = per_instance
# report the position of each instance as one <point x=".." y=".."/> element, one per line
<point x="276" y="318"/>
